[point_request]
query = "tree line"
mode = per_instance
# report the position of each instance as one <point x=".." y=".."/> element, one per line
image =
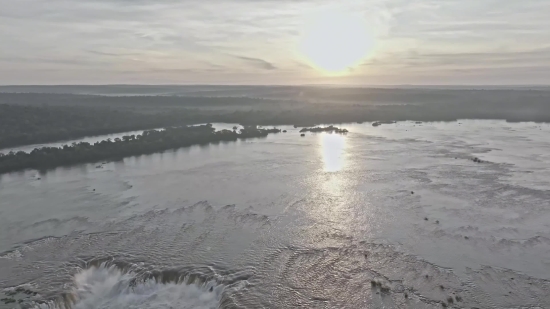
<point x="24" y="125"/>
<point x="149" y="142"/>
<point x="40" y="118"/>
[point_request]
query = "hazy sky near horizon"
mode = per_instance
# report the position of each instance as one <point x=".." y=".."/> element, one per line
<point x="262" y="41"/>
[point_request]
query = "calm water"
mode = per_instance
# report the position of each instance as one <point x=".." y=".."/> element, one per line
<point x="290" y="221"/>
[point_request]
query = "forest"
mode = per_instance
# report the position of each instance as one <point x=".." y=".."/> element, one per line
<point x="149" y="142"/>
<point x="23" y="125"/>
<point x="30" y="118"/>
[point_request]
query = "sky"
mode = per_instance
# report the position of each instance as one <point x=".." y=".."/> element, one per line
<point x="349" y="42"/>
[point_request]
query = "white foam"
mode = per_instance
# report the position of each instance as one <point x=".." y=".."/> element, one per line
<point x="108" y="287"/>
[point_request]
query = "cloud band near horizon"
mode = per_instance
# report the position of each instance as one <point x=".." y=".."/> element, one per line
<point x="255" y="42"/>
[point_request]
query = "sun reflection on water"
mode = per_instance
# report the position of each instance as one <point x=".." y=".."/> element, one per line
<point x="332" y="179"/>
<point x="330" y="190"/>
<point x="332" y="147"/>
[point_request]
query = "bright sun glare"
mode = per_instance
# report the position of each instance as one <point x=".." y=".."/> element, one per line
<point x="336" y="41"/>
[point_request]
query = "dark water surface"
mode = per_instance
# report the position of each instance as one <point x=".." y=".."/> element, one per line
<point x="396" y="216"/>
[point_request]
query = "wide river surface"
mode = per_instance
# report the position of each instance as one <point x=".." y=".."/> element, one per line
<point x="395" y="216"/>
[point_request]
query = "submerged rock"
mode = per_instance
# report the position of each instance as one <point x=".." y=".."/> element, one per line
<point x="477" y="160"/>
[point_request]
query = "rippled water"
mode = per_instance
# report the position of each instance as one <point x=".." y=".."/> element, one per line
<point x="396" y="216"/>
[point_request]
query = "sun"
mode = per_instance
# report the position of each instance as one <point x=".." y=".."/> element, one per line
<point x="336" y="41"/>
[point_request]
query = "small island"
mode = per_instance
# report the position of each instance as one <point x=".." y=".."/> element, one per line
<point x="324" y="129"/>
<point x="150" y="141"/>
<point x="378" y="123"/>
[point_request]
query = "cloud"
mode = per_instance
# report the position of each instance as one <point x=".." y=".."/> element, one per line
<point x="303" y="65"/>
<point x="54" y="61"/>
<point x="176" y="40"/>
<point x="101" y="53"/>
<point x="432" y="60"/>
<point x="257" y="62"/>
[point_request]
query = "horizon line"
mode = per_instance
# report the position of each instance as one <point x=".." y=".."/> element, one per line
<point x="282" y="85"/>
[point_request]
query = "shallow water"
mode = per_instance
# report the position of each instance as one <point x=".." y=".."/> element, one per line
<point x="290" y="221"/>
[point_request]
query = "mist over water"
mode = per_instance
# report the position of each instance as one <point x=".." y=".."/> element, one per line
<point x="110" y="287"/>
<point x="395" y="216"/>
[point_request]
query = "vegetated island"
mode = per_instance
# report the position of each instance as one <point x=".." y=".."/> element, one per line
<point x="325" y="129"/>
<point x="379" y="123"/>
<point x="149" y="142"/>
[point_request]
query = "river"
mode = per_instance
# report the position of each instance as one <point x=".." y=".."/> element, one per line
<point x="395" y="216"/>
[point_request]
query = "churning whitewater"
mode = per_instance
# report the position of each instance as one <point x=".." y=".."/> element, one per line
<point x="106" y="287"/>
